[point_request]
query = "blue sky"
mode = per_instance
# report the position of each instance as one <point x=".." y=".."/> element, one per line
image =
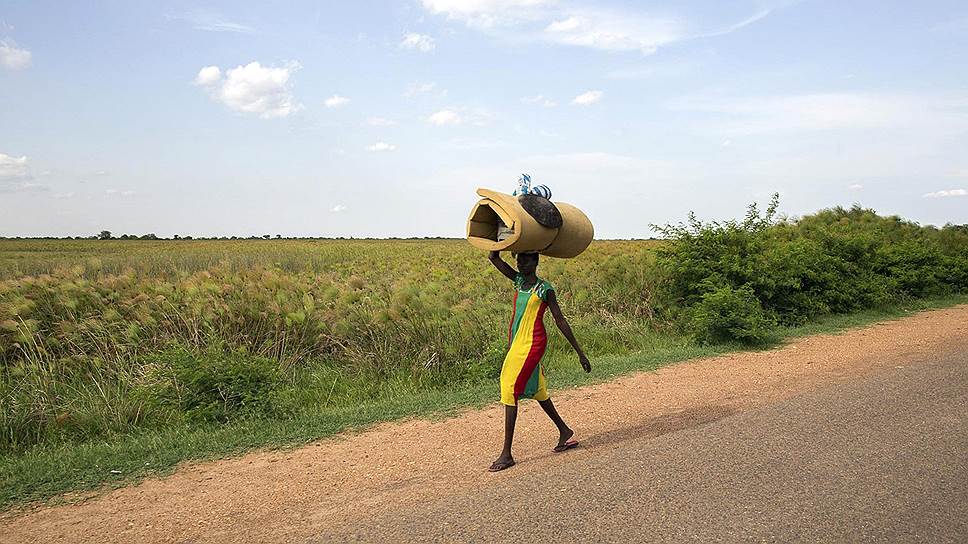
<point x="381" y="118"/>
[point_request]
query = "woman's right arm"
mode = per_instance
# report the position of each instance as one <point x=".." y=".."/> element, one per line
<point x="498" y="262"/>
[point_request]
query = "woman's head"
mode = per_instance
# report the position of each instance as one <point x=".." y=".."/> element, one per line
<point x="527" y="262"/>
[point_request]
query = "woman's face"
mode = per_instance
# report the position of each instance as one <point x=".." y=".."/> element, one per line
<point x="527" y="263"/>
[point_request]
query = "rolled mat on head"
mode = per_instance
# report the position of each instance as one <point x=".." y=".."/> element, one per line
<point x="575" y="234"/>
<point x="526" y="234"/>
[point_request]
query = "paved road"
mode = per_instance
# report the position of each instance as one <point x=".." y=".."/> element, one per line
<point x="883" y="458"/>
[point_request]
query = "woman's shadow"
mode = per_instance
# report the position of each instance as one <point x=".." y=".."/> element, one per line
<point x="660" y="425"/>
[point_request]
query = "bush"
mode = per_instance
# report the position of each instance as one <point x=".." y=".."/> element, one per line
<point x="788" y="272"/>
<point x="212" y="386"/>
<point x="727" y="314"/>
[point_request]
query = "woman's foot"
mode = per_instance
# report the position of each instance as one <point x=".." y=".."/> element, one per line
<point x="503" y="462"/>
<point x="565" y="442"/>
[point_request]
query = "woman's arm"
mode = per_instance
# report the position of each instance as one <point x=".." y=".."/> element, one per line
<point x="498" y="262"/>
<point x="565" y="329"/>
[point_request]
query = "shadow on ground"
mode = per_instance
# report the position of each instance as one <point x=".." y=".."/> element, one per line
<point x="660" y="425"/>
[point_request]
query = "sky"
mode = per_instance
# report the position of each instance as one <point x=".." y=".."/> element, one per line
<point x="381" y="119"/>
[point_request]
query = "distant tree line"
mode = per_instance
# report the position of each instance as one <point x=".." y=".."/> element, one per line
<point x="108" y="235"/>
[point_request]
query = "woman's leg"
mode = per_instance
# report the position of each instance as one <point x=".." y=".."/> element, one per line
<point x="563" y="431"/>
<point x="510" y="418"/>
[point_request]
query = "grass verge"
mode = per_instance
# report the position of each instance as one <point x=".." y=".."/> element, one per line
<point x="48" y="472"/>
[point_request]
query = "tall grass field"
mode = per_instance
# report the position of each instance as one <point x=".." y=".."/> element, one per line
<point x="120" y="358"/>
<point x="103" y="337"/>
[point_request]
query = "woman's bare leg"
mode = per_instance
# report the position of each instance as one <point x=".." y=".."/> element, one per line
<point x="564" y="432"/>
<point x="510" y="418"/>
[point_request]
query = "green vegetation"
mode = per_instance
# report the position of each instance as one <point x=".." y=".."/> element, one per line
<point x="130" y="336"/>
<point x="737" y="280"/>
<point x="132" y="355"/>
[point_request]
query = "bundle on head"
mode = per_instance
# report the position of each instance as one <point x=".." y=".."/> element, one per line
<point x="531" y="223"/>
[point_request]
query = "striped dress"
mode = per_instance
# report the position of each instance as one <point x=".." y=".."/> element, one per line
<point x="521" y="374"/>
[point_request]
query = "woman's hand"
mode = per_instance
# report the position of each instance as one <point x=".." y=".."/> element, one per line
<point x="585" y="363"/>
<point x="503" y="267"/>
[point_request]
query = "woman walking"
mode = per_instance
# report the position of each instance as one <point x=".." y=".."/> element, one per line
<point x="521" y="374"/>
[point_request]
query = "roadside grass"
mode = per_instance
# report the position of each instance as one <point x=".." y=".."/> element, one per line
<point x="57" y="473"/>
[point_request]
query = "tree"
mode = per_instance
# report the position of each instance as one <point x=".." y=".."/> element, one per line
<point x="105" y="235"/>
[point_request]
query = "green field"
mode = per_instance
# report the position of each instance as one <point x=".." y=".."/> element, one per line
<point x="103" y="341"/>
<point x="119" y="359"/>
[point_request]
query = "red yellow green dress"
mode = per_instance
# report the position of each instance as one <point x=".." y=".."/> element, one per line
<point x="521" y="374"/>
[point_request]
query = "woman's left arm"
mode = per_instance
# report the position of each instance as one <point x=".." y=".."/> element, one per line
<point x="565" y="329"/>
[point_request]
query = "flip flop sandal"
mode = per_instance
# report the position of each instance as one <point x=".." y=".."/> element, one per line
<point x="497" y="467"/>
<point x="566" y="446"/>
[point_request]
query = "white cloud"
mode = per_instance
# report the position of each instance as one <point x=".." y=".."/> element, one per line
<point x="729" y="29"/>
<point x="381" y="146"/>
<point x="336" y="101"/>
<point x="224" y="26"/>
<point x="420" y="42"/>
<point x="253" y="88"/>
<point x="445" y="117"/>
<point x="13" y="57"/>
<point x="208" y="75"/>
<point x="380" y="122"/>
<point x="569" y="24"/>
<point x="946" y="194"/>
<point x="488" y="13"/>
<point x="856" y="187"/>
<point x="13" y="167"/>
<point x="15" y="175"/>
<point x="563" y="23"/>
<point x="541" y="100"/>
<point x="338" y="208"/>
<point x="614" y="31"/>
<point x="64" y="196"/>
<point x="416" y="89"/>
<point x="210" y="21"/>
<point x="587" y="98"/>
